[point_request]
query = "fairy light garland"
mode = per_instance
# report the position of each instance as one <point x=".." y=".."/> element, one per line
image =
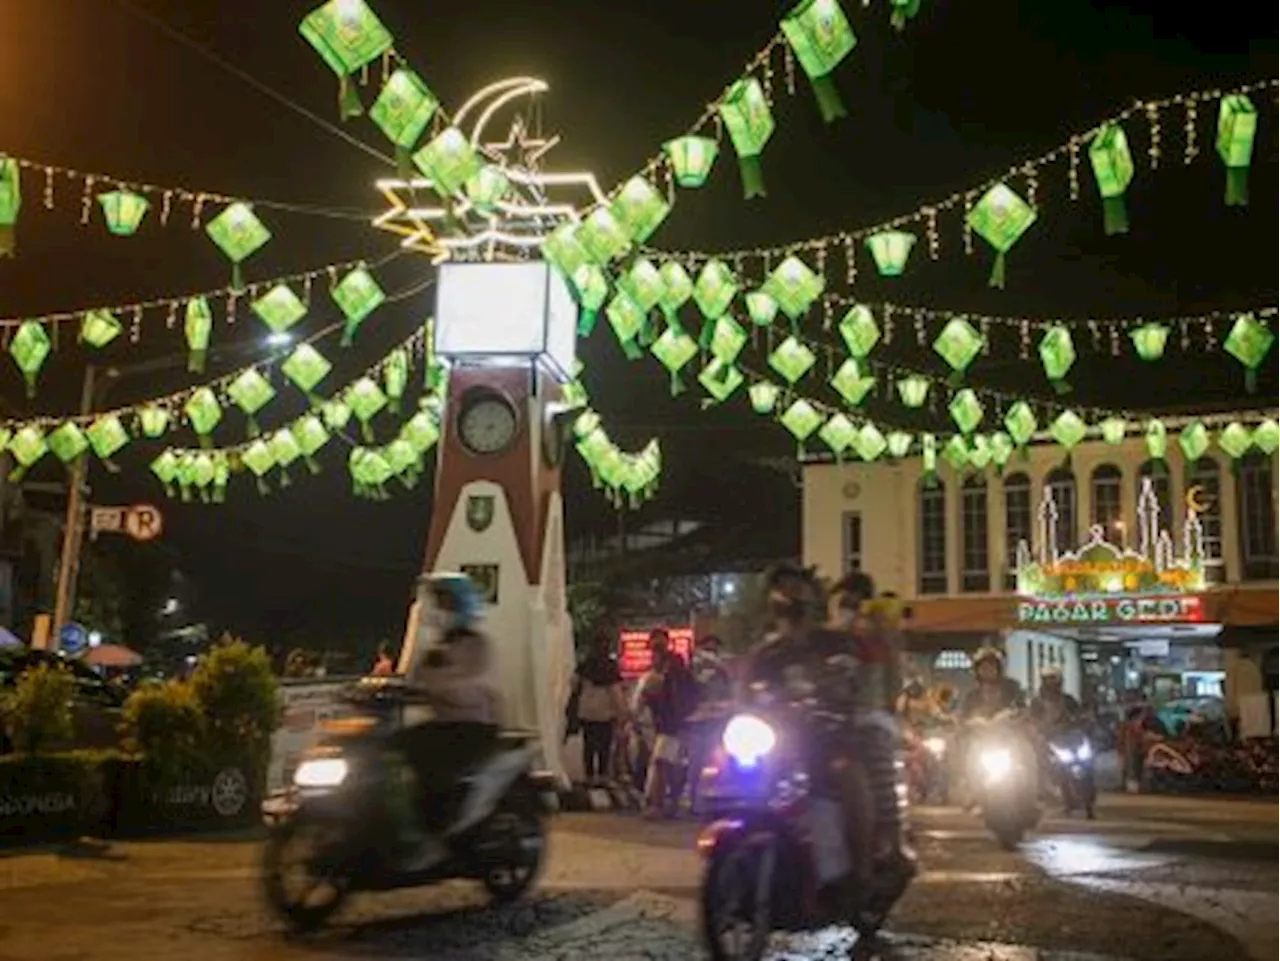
<point x="964" y="199"/>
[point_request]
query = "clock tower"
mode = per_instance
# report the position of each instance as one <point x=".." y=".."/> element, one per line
<point x="507" y="333"/>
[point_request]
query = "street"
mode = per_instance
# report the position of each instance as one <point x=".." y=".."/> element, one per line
<point x="1151" y="880"/>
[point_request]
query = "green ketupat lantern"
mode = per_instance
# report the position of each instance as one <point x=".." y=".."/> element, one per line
<point x="422" y="431"/>
<point x="1068" y="430"/>
<point x="564" y="251"/>
<point x="99" y="328"/>
<point x="29" y="349"/>
<point x="365" y="400"/>
<point x="153" y="421"/>
<point x="839" y="434"/>
<point x="794" y="287"/>
<point x="746" y="115"/>
<point x="284" y="451"/>
<point x="820" y="35"/>
<point x="197" y="327"/>
<point x="966" y="410"/>
<point x="306" y="367"/>
<point x="979" y="451"/>
<point x="903" y="10"/>
<point x="165" y="467"/>
<point x="279" y="308"/>
<point x="27" y="446"/>
<point x="1000" y="218"/>
<point x="761" y="308"/>
<point x="404" y="107"/>
<point x="639" y="208"/>
<point x="764" y="396"/>
<point x="107" y="436"/>
<point x="250" y="391"/>
<point x="1001" y="449"/>
<point x="643" y="284"/>
<point x="449" y="161"/>
<point x="357" y="296"/>
<point x="801" y="419"/>
<point x="486" y="188"/>
<point x="859" y="330"/>
<point x="1113" y="430"/>
<point x="10" y="203"/>
<point x="395" y="377"/>
<point x="123" y="211"/>
<point x="958" y="344"/>
<point x="1149" y="340"/>
<point x="720" y="379"/>
<point x="1266" y="437"/>
<point x="929" y="459"/>
<point x="1156" y="437"/>
<point x="1194" y="441"/>
<point x="257" y="458"/>
<point x="203" y="413"/>
<point x="1113" y="171"/>
<point x="347" y="35"/>
<point x="1020" y="422"/>
<point x="238" y="233"/>
<point x="1249" y="342"/>
<point x="677" y="288"/>
<point x="627" y="320"/>
<point x="713" y="293"/>
<point x="956" y="453"/>
<point x="898" y="443"/>
<point x="67" y="441"/>
<point x="1235" y="439"/>
<point x="591" y="288"/>
<point x="890" y="250"/>
<point x="691" y="159"/>
<point x="602" y="237"/>
<point x="1058" y="355"/>
<point x="851" y="384"/>
<point x="913" y="390"/>
<point x="727" y="339"/>
<point x="1237" y="125"/>
<point x="791" y="359"/>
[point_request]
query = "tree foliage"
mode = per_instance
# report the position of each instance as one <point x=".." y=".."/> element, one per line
<point x="37" y="712"/>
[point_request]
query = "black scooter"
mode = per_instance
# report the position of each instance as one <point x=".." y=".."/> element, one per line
<point x="333" y="832"/>
<point x="1072" y="756"/>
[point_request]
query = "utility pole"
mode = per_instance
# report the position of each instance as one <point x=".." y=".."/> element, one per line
<point x="73" y="526"/>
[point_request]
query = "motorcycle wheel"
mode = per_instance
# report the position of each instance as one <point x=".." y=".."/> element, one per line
<point x="512" y="844"/>
<point x="306" y="845"/>
<point x="736" y="921"/>
<point x="1007" y="828"/>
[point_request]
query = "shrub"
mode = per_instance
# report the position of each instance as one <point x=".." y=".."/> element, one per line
<point x="165" y="723"/>
<point x="37" y="713"/>
<point x="236" y="691"/>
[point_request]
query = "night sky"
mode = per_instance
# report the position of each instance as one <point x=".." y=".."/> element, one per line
<point x="964" y="92"/>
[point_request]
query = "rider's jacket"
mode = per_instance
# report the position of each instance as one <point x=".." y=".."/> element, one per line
<point x="987" y="700"/>
<point x="823" y="657"/>
<point x="1053" y="713"/>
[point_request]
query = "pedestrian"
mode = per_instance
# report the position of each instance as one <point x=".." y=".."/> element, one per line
<point x="671" y="699"/>
<point x="382" y="666"/>
<point x="715" y="697"/>
<point x="600" y="707"/>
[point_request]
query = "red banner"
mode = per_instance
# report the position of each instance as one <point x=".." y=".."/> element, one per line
<point x="634" y="656"/>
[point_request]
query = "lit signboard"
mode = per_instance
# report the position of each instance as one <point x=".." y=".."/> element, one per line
<point x="1132" y="609"/>
<point x="634" y="656"/>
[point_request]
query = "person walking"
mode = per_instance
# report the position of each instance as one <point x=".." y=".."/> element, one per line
<point x="601" y="707"/>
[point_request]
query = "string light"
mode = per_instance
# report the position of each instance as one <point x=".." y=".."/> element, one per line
<point x="1191" y="149"/>
<point x="1073" y="168"/>
<point x="963" y="199"/>
<point x="48" y="188"/>
<point x="931" y="231"/>
<point x="86" y="199"/>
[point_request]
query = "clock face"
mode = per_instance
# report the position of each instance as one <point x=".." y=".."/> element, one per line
<point x="487" y="425"/>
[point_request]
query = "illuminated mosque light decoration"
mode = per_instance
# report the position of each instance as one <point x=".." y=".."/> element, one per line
<point x="1100" y="567"/>
<point x="534" y="203"/>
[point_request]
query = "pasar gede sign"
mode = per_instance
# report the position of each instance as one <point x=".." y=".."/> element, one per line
<point x="634" y="656"/>
<point x="1126" y="609"/>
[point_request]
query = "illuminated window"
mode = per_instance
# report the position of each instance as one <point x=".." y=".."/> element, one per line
<point x="852" y="541"/>
<point x="1104" y="500"/>
<point x="975" y="572"/>
<point x="952" y="661"/>
<point x="1017" y="523"/>
<point x="1207" y="477"/>
<point x="932" y="542"/>
<point x="1256" y="499"/>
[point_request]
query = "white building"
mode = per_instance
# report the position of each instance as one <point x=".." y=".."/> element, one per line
<point x="1178" y="597"/>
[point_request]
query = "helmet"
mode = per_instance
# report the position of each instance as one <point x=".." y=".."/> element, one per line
<point x="988" y="654"/>
<point x="455" y="600"/>
<point x="1051" y="675"/>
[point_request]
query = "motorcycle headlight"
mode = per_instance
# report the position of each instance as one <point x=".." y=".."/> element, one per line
<point x="996" y="763"/>
<point x="935" y="745"/>
<point x="321" y="772"/>
<point x="1085" y="751"/>
<point x="1063" y="753"/>
<point x="748" y="738"/>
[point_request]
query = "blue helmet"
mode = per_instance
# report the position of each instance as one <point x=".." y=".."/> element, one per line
<point x="456" y="596"/>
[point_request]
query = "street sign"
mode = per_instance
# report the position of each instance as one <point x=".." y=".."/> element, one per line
<point x="72" y="638"/>
<point x="142" y="522"/>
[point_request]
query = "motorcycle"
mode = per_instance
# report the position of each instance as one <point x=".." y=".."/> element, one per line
<point x="926" y="763"/>
<point x="1072" y="757"/>
<point x="774" y="846"/>
<point x="328" y="834"/>
<point x="1005" y="777"/>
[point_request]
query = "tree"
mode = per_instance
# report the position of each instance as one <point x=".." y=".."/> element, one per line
<point x="100" y="594"/>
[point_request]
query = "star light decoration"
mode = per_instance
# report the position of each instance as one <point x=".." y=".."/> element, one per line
<point x="537" y="202"/>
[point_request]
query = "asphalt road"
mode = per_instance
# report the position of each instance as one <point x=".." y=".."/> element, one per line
<point x="1151" y="880"/>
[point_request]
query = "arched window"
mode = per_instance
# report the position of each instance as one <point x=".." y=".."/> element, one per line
<point x="1017" y="523"/>
<point x="1158" y="472"/>
<point x="1104" y="500"/>
<point x="1255" y="499"/>
<point x="975" y="570"/>
<point x="932" y="542"/>
<point x="1206" y="475"/>
<point x="1062" y="489"/>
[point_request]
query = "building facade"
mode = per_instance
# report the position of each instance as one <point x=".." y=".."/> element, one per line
<point x="1126" y="572"/>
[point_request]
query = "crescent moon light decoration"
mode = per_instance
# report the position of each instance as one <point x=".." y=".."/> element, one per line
<point x="1195" y="500"/>
<point x="519" y="222"/>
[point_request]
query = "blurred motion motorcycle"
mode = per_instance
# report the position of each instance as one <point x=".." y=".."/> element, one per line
<point x="1071" y="758"/>
<point x="332" y="832"/>
<point x="1002" y="776"/>
<point x="927" y="747"/>
<point x="775" y="852"/>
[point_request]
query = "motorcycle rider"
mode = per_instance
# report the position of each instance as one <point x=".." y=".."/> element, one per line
<point x="993" y="693"/>
<point x="798" y="649"/>
<point x="1052" y="709"/>
<point x="453" y="673"/>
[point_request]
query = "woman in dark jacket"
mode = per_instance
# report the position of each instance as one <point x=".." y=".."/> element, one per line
<point x="599" y="706"/>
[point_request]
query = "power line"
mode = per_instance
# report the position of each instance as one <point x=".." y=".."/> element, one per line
<point x="174" y="34"/>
